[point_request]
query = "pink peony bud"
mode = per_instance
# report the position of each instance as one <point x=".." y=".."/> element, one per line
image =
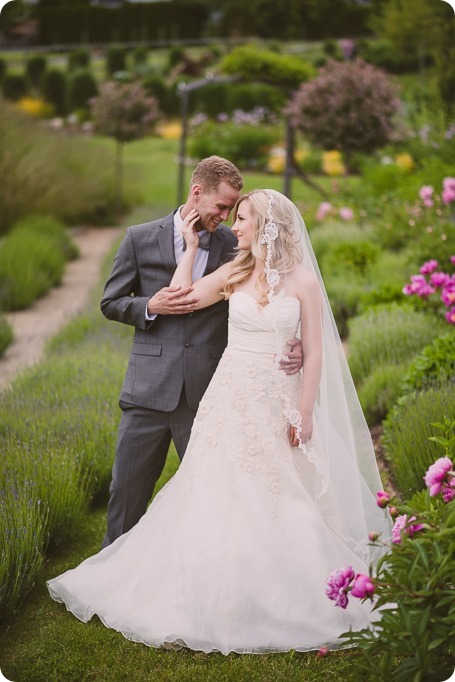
<point x="393" y="511"/>
<point x="323" y="652"/>
<point x="429" y="266"/>
<point x="437" y="475"/>
<point x="363" y="586"/>
<point x="382" y="499"/>
<point x="373" y="536"/>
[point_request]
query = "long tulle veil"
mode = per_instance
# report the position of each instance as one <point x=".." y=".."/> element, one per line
<point x="346" y="472"/>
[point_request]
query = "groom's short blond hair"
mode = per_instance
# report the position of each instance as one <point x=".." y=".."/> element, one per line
<point x="213" y="170"/>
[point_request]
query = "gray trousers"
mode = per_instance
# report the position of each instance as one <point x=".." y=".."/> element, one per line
<point x="142" y="445"/>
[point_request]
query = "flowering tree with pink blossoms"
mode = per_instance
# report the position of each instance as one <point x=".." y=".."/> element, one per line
<point x="412" y="587"/>
<point x="350" y="106"/>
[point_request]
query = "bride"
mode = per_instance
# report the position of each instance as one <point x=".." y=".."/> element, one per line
<point x="277" y="486"/>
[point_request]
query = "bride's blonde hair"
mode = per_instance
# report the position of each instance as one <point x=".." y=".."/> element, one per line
<point x="286" y="248"/>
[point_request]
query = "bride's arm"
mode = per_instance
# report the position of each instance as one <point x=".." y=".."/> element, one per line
<point x="311" y="332"/>
<point x="208" y="289"/>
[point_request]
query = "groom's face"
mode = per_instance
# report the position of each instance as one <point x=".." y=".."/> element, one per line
<point x="214" y="207"/>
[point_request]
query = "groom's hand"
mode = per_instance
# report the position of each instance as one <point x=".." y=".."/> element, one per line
<point x="295" y="355"/>
<point x="172" y="301"/>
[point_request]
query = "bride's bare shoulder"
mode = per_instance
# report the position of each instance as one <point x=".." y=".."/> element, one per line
<point x="304" y="281"/>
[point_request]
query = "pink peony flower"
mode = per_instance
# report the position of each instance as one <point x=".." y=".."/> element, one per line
<point x="425" y="192"/>
<point x="363" y="586"/>
<point x="338" y="584"/>
<point x="346" y="213"/>
<point x="452" y="260"/>
<point x="448" y="196"/>
<point x="429" y="203"/>
<point x="407" y="290"/>
<point x="450" y="316"/>
<point x="436" y="475"/>
<point x="429" y="266"/>
<point x="324" y="209"/>
<point x="323" y="652"/>
<point x="439" y="279"/>
<point x="382" y="499"/>
<point x="425" y="290"/>
<point x="448" y="183"/>
<point x="448" y="295"/>
<point x="401" y="527"/>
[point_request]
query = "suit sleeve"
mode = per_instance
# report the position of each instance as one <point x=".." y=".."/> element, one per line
<point x="119" y="302"/>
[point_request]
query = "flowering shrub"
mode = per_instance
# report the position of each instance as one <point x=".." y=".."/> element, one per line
<point x="412" y="586"/>
<point x="325" y="209"/>
<point x="349" y="107"/>
<point x="432" y="280"/>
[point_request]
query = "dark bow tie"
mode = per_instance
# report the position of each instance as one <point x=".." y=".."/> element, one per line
<point x="204" y="241"/>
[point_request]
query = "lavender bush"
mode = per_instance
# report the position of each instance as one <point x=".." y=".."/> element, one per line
<point x="350" y="107"/>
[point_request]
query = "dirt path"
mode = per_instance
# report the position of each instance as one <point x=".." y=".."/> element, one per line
<point x="35" y="326"/>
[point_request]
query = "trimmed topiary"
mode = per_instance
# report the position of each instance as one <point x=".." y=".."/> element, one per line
<point x="35" y="69"/>
<point x="82" y="88"/>
<point x="15" y="86"/>
<point x="55" y="90"/>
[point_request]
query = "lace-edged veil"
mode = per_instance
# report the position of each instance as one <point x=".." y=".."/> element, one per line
<point x="341" y="451"/>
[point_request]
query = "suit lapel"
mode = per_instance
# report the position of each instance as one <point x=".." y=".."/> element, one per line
<point x="216" y="247"/>
<point x="166" y="243"/>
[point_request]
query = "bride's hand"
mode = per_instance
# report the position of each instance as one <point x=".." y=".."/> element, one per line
<point x="189" y="233"/>
<point x="306" y="431"/>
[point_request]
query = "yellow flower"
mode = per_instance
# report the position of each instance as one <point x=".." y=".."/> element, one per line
<point x="404" y="161"/>
<point x="332" y="163"/>
<point x="277" y="158"/>
<point x="170" y="131"/>
<point x="35" y="107"/>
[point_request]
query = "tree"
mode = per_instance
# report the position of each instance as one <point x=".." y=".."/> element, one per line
<point x="426" y="29"/>
<point x="350" y="107"/>
<point x="125" y="112"/>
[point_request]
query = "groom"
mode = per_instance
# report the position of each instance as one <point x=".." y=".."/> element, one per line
<point x="175" y="348"/>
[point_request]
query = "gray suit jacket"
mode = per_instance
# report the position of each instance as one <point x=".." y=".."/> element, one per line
<point x="172" y="350"/>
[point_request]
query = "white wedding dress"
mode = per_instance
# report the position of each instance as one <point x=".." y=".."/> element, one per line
<point x="233" y="554"/>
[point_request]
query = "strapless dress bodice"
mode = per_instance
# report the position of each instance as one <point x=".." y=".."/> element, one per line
<point x="261" y="330"/>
